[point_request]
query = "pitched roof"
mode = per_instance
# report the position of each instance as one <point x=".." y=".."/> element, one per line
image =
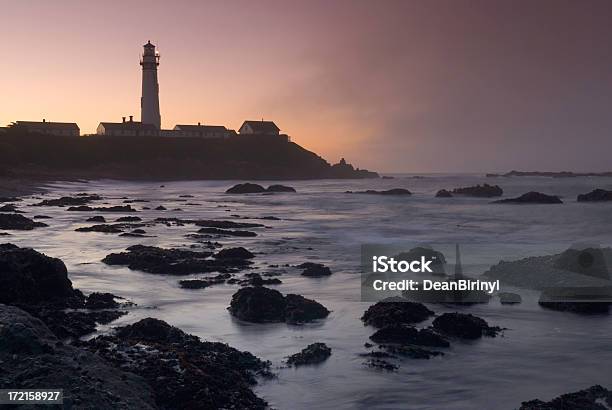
<point x="128" y="125"/>
<point x="201" y="128"/>
<point x="48" y="124"/>
<point x="261" y="127"/>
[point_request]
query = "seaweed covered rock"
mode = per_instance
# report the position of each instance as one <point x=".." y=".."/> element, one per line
<point x="465" y="326"/>
<point x="18" y="222"/>
<point x="314" y="270"/>
<point x="531" y="198"/>
<point x="385" y="313"/>
<point x="392" y="192"/>
<point x="593" y="398"/>
<point x="312" y="354"/>
<point x="70" y="201"/>
<point x="234" y="253"/>
<point x="399" y="334"/>
<point x="97" y="218"/>
<point x="443" y="193"/>
<point x="480" y="191"/>
<point x="261" y="304"/>
<point x="172" y="261"/>
<point x="32" y="356"/>
<point x="183" y="371"/>
<point x="99" y="300"/>
<point x="246" y="188"/>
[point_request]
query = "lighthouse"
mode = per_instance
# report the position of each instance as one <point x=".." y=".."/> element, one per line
<point x="149" y="102"/>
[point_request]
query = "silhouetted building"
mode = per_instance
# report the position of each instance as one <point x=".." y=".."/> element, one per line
<point x="125" y="128"/>
<point x="149" y="102"/>
<point x="259" y="127"/>
<point x="65" y="129"/>
<point x="198" y="131"/>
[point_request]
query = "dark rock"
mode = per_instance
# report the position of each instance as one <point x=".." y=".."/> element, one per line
<point x="255" y="279"/>
<point x="531" y="198"/>
<point x="104" y="228"/>
<point x="139" y="231"/>
<point x="260" y="304"/>
<point x="465" y="326"/>
<point x="409" y="335"/>
<point x="508" y="298"/>
<point x="412" y="352"/>
<point x="183" y="371"/>
<point x="234" y="253"/>
<point x="381" y="365"/>
<point x="586" y="300"/>
<point x="161" y="208"/>
<point x="312" y="354"/>
<point x="30" y="278"/>
<point x="226" y="232"/>
<point x="186" y="196"/>
<point x="480" y="191"/>
<point x="597" y="195"/>
<point x="98" y="300"/>
<point x="9" y="199"/>
<point x="117" y="208"/>
<point x="41" y="217"/>
<point x="443" y="193"/>
<point x="301" y="310"/>
<point x="70" y="201"/>
<point x="585" y="261"/>
<point x="204" y="283"/>
<point x="129" y="219"/>
<point x="246" y="188"/>
<point x="593" y="398"/>
<point x="223" y="224"/>
<point x="394" y="191"/>
<point x="383" y="314"/>
<point x="172" y="261"/>
<point x="10" y="208"/>
<point x="19" y="222"/>
<point x="97" y="218"/>
<point x="32" y="356"/>
<point x="280" y="188"/>
<point x="314" y="270"/>
<point x="387" y="177"/>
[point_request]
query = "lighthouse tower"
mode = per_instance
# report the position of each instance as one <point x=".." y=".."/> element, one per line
<point x="149" y="102"/>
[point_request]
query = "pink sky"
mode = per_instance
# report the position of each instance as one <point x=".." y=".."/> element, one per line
<point x="413" y="86"/>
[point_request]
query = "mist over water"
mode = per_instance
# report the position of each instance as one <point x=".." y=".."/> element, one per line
<point x="542" y="354"/>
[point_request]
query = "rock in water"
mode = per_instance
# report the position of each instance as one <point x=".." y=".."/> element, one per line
<point x="531" y="198"/>
<point x="507" y="298"/>
<point x="261" y="304"/>
<point x="383" y="314"/>
<point x="19" y="222"/>
<point x="30" y="278"/>
<point x="32" y="357"/>
<point x="443" y="193"/>
<point x="97" y="218"/>
<point x="597" y="195"/>
<point x="593" y="398"/>
<point x="394" y="191"/>
<point x="173" y="261"/>
<point x="314" y="270"/>
<point x="464" y="326"/>
<point x="70" y="201"/>
<point x="234" y="253"/>
<point x="246" y="188"/>
<point x="101" y="301"/>
<point x="280" y="188"/>
<point x="311" y="354"/>
<point x="183" y="371"/>
<point x="409" y="335"/>
<point x="481" y="191"/>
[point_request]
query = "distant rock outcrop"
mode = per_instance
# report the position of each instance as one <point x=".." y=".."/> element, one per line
<point x="593" y="398"/>
<point x="280" y="188"/>
<point x="531" y="198"/>
<point x="443" y="193"/>
<point x="394" y="191"/>
<point x="480" y="191"/>
<point x="246" y="188"/>
<point x="18" y="222"/>
<point x="597" y="195"/>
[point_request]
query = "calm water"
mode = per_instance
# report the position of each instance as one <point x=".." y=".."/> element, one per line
<point x="543" y="354"/>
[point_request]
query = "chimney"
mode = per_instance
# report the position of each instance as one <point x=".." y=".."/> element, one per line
<point x="123" y="118"/>
<point x="131" y="118"/>
<point x="199" y="124"/>
<point x="44" y="120"/>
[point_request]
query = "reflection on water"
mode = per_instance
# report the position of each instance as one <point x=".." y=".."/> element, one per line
<point x="543" y="354"/>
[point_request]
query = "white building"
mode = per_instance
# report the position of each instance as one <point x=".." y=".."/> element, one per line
<point x="125" y="128"/>
<point x="259" y="127"/>
<point x="62" y="129"/>
<point x="149" y="102"/>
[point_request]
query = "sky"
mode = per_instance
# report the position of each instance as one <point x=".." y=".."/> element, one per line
<point x="393" y="86"/>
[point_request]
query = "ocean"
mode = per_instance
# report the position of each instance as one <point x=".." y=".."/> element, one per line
<point x="542" y="354"/>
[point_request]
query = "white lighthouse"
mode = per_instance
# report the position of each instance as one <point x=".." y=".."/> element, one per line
<point x="149" y="102"/>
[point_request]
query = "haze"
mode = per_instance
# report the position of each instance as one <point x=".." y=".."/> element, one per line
<point x="393" y="86"/>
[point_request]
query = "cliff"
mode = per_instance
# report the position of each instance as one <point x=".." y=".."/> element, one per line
<point x="240" y="157"/>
